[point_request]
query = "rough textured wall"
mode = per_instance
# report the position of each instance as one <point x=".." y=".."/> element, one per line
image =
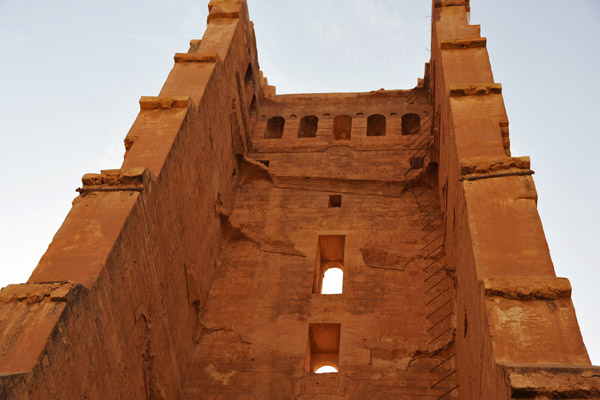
<point x="517" y="335"/>
<point x="193" y="271"/>
<point x="111" y="311"/>
<point x="396" y="310"/>
<point x="361" y="157"/>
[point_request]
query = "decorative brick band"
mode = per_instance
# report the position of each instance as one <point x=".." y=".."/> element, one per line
<point x="482" y="89"/>
<point x="30" y="293"/>
<point x="527" y="288"/>
<point x="196" y="57"/>
<point x="498" y="175"/>
<point x="553" y="381"/>
<point x="449" y="3"/>
<point x="216" y="15"/>
<point x="116" y="180"/>
<point x="461" y="44"/>
<point x="163" y="102"/>
<point x="476" y="168"/>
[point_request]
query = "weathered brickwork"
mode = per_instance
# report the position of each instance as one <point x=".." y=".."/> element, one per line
<point x="195" y="270"/>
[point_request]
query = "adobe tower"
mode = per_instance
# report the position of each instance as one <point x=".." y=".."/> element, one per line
<point x="197" y="270"/>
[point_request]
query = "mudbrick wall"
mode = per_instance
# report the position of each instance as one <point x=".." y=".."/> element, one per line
<point x="195" y="270"/>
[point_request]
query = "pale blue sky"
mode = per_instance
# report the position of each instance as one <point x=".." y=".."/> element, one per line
<point x="73" y="71"/>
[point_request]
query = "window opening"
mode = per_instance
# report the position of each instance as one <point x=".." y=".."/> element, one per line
<point x="411" y="124"/>
<point x="376" y="125"/>
<point x="308" y="126"/>
<point x="248" y="80"/>
<point x="335" y="200"/>
<point x="275" y="127"/>
<point x="333" y="281"/>
<point x="326" y="369"/>
<point x="342" y="127"/>
<point x="330" y="255"/>
<point x="323" y="348"/>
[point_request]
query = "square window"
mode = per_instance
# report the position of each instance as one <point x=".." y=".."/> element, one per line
<point x="335" y="200"/>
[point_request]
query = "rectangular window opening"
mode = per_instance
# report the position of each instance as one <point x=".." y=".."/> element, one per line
<point x="329" y="268"/>
<point x="335" y="200"/>
<point x="342" y="127"/>
<point x="275" y="127"/>
<point x="323" y="348"/>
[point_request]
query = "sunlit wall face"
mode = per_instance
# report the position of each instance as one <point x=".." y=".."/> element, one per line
<point x="550" y="91"/>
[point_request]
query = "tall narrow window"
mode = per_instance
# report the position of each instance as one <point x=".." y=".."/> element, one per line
<point x="333" y="280"/>
<point x="411" y="124"/>
<point x="329" y="268"/>
<point x="275" y="127"/>
<point x="342" y="127"/>
<point x="308" y="126"/>
<point x="323" y="348"/>
<point x="376" y="125"/>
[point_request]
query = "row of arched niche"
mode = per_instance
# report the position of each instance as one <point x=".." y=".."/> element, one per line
<point x="342" y="126"/>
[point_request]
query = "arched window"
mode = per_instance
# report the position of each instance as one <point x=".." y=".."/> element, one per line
<point x="248" y="78"/>
<point x="333" y="279"/>
<point x="376" y="125"/>
<point x="329" y="264"/>
<point x="323" y="353"/>
<point x="308" y="126"/>
<point x="342" y="127"/>
<point x="411" y="124"/>
<point x="275" y="127"/>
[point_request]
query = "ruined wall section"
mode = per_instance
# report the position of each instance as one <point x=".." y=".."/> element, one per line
<point x="395" y="313"/>
<point x="359" y="156"/>
<point x="111" y="310"/>
<point x="517" y="329"/>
